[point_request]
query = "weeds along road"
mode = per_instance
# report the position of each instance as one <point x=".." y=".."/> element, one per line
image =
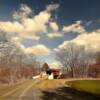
<point x="20" y="91"/>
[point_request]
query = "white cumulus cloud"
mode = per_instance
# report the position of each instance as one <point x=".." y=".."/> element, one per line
<point x="89" y="40"/>
<point x="55" y="34"/>
<point x="28" y="27"/>
<point x="54" y="26"/>
<point x="52" y="7"/>
<point x="23" y="12"/>
<point x="38" y="50"/>
<point x="76" y="28"/>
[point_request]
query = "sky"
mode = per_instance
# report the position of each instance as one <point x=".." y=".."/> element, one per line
<point x="42" y="27"/>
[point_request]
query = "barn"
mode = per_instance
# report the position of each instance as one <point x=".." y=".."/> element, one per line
<point x="51" y="73"/>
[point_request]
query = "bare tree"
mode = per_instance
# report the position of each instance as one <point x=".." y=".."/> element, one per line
<point x="76" y="59"/>
<point x="15" y="61"/>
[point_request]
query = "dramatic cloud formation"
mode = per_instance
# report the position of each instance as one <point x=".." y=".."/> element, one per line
<point x="38" y="50"/>
<point x="54" y="26"/>
<point x="55" y="31"/>
<point x="75" y="28"/>
<point x="27" y="27"/>
<point x="52" y="7"/>
<point x="23" y="12"/>
<point x="89" y="40"/>
<point x="11" y="27"/>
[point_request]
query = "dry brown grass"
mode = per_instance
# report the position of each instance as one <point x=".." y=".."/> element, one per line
<point x="50" y="84"/>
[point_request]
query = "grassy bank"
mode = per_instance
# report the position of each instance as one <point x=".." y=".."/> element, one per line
<point x="91" y="86"/>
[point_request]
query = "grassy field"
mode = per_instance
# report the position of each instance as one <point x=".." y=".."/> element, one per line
<point x="91" y="86"/>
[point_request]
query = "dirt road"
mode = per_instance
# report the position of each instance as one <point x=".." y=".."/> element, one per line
<point x="19" y="91"/>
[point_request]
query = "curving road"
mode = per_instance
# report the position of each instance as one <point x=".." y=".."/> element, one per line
<point x="20" y="91"/>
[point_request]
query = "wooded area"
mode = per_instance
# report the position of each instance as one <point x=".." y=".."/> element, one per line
<point x="14" y="63"/>
<point x="78" y="61"/>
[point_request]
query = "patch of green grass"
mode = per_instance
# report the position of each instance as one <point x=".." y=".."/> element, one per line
<point x="91" y="86"/>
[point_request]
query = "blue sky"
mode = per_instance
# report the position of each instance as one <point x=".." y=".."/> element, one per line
<point x="71" y="13"/>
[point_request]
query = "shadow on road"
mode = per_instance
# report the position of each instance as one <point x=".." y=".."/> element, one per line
<point x="67" y="93"/>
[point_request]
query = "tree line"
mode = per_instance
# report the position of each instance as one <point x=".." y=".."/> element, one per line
<point x="15" y="64"/>
<point x="77" y="60"/>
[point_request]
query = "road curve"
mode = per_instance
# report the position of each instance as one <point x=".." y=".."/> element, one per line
<point x="18" y="92"/>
